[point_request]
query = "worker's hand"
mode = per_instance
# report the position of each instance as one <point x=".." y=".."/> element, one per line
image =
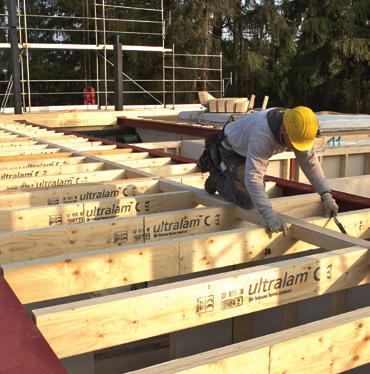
<point x="330" y="206"/>
<point x="275" y="224"/>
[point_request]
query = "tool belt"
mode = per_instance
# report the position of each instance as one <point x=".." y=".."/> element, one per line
<point x="211" y="158"/>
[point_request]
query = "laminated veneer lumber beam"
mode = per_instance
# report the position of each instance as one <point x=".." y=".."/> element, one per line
<point x="71" y="274"/>
<point x="88" y="325"/>
<point x="66" y="214"/>
<point x="331" y="345"/>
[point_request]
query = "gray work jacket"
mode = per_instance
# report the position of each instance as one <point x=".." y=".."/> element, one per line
<point x="251" y="137"/>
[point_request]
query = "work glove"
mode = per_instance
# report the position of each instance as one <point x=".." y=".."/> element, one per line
<point x="330" y="206"/>
<point x="275" y="224"/>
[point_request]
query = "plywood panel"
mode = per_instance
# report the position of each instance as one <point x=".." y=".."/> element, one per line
<point x="356" y="164"/>
<point x="332" y="166"/>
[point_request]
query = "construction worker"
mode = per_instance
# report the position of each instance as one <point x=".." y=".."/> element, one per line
<point x="237" y="158"/>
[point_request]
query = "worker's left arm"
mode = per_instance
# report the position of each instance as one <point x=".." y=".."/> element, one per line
<point x="259" y="151"/>
<point x="309" y="163"/>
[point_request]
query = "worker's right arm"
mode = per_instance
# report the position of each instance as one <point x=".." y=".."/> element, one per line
<point x="258" y="153"/>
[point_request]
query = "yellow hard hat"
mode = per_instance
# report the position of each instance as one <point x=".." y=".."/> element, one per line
<point x="301" y="126"/>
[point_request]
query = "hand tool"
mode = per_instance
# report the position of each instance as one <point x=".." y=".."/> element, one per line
<point x="340" y="226"/>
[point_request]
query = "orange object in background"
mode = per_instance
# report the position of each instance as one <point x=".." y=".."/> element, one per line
<point x="89" y="95"/>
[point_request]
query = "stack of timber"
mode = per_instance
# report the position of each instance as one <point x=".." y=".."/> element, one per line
<point x="122" y="267"/>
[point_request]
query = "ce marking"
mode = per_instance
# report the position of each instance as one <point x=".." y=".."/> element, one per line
<point x="217" y="220"/>
<point x="328" y="272"/>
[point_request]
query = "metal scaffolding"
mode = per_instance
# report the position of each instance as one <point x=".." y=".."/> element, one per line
<point x="181" y="73"/>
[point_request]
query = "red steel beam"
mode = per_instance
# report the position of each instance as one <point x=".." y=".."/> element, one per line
<point x="345" y="201"/>
<point x="22" y="347"/>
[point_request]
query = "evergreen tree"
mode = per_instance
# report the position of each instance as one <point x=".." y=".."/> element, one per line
<point x="310" y="52"/>
<point x="331" y="67"/>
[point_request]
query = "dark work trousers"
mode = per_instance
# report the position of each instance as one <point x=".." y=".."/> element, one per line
<point x="229" y="182"/>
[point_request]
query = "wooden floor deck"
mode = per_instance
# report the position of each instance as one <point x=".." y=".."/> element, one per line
<point x="111" y="249"/>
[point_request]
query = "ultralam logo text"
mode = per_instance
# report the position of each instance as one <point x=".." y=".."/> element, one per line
<point x="265" y="288"/>
<point x="166" y="228"/>
<point x="116" y="210"/>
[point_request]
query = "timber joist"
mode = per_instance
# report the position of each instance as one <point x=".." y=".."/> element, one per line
<point x="91" y="221"/>
<point x="158" y="258"/>
<point x="318" y="347"/>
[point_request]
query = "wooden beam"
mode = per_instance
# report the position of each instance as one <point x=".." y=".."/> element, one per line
<point x="25" y="139"/>
<point x="335" y="151"/>
<point x="130" y="172"/>
<point x="67" y="214"/>
<point x="147" y="162"/>
<point x="298" y="206"/>
<point x="356" y="223"/>
<point x="79" y="193"/>
<point x="15" y="144"/>
<point x="344" y="166"/>
<point x="178" y="169"/>
<point x="85" y="143"/>
<point x="121" y="318"/>
<point x="47" y="181"/>
<point x="359" y="185"/>
<point x="194" y="180"/>
<point x="12" y="149"/>
<point x="332" y="345"/>
<point x="16" y="140"/>
<point x="83" y="148"/>
<point x="34" y="157"/>
<point x="64" y="239"/>
<point x="28" y="130"/>
<point x="29" y="151"/>
<point x="50" y="170"/>
<point x="55" y="277"/>
<point x="61" y="276"/>
<point x="77" y="118"/>
<point x="65" y="138"/>
<point x="197" y="180"/>
<point x="110" y="152"/>
<point x="172" y="144"/>
<point x="125" y="156"/>
<point x="41" y="163"/>
<point x="251" y="244"/>
<point x="8" y="136"/>
<point x="367" y="164"/>
<point x="180" y="223"/>
<point x="324" y="238"/>
<point x="265" y="101"/>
